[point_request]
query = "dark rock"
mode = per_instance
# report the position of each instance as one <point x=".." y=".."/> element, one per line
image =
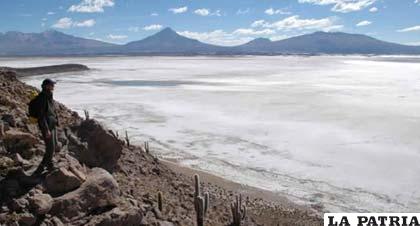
<point x="9" y="119"/>
<point x="61" y="137"/>
<point x="19" y="142"/>
<point x="100" y="190"/>
<point x="41" y="204"/>
<point x="18" y="205"/>
<point x="104" y="149"/>
<point x="68" y="176"/>
<point x="10" y="187"/>
<point x="61" y="181"/>
<point x="26" y="219"/>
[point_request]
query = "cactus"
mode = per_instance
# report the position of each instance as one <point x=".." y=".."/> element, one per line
<point x="238" y="211"/>
<point x="127" y="140"/>
<point x="201" y="204"/>
<point x="146" y="147"/>
<point x="86" y="114"/>
<point x="160" y="201"/>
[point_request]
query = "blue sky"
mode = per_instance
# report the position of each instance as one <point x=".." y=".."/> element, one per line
<point x="214" y="21"/>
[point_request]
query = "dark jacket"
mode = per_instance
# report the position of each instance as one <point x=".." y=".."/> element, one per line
<point x="48" y="119"/>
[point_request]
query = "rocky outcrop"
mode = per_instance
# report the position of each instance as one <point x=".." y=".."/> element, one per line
<point x="72" y="193"/>
<point x="103" y="149"/>
<point x="19" y="142"/>
<point x="68" y="176"/>
<point x="99" y="191"/>
<point x="48" y="69"/>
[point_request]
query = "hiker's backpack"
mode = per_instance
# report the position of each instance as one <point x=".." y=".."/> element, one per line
<point x="34" y="107"/>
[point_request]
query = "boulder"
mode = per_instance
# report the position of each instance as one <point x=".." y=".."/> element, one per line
<point x="68" y="176"/>
<point x="103" y="150"/>
<point x="19" y="142"/>
<point x="100" y="190"/>
<point x="41" y="204"/>
<point x="61" y="181"/>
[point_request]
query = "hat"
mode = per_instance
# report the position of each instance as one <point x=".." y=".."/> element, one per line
<point x="48" y="82"/>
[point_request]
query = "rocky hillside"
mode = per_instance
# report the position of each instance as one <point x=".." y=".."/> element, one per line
<point x="99" y="179"/>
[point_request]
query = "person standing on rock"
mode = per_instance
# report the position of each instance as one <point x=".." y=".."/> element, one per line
<point x="47" y="122"/>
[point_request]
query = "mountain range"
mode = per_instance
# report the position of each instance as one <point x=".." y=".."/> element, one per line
<point x="169" y="42"/>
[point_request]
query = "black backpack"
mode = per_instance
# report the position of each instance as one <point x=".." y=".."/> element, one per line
<point x="34" y="107"/>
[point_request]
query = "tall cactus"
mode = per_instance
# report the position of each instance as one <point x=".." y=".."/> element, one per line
<point x="127" y="139"/>
<point x="146" y="147"/>
<point x="201" y="204"/>
<point x="86" y="114"/>
<point x="160" y="201"/>
<point x="238" y="211"/>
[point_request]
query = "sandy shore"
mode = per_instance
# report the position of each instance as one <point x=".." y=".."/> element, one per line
<point x="253" y="192"/>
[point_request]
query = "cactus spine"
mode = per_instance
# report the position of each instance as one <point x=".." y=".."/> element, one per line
<point x="201" y="204"/>
<point x="238" y="211"/>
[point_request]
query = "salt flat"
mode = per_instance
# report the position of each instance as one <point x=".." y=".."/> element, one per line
<point x="340" y="131"/>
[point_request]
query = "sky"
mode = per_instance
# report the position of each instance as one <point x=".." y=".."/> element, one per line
<point x="222" y="22"/>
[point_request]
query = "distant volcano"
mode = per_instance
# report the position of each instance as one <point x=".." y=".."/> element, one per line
<point x="169" y="42"/>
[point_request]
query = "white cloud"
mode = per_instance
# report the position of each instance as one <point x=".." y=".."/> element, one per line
<point x="50" y="13"/>
<point x="373" y="10"/>
<point x="250" y="31"/>
<point x="91" y="6"/>
<point x="343" y="6"/>
<point x="417" y="1"/>
<point x="258" y="23"/>
<point x="66" y="23"/>
<point x="63" y="23"/>
<point x="243" y="11"/>
<point x="152" y="27"/>
<point x="202" y="12"/>
<point x="295" y="23"/>
<point x="179" y="10"/>
<point x="217" y="37"/>
<point x="409" y="29"/>
<point x="207" y="12"/>
<point x="154" y="14"/>
<point x="86" y="23"/>
<point x="363" y="23"/>
<point x="116" y="37"/>
<point x="272" y="11"/>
